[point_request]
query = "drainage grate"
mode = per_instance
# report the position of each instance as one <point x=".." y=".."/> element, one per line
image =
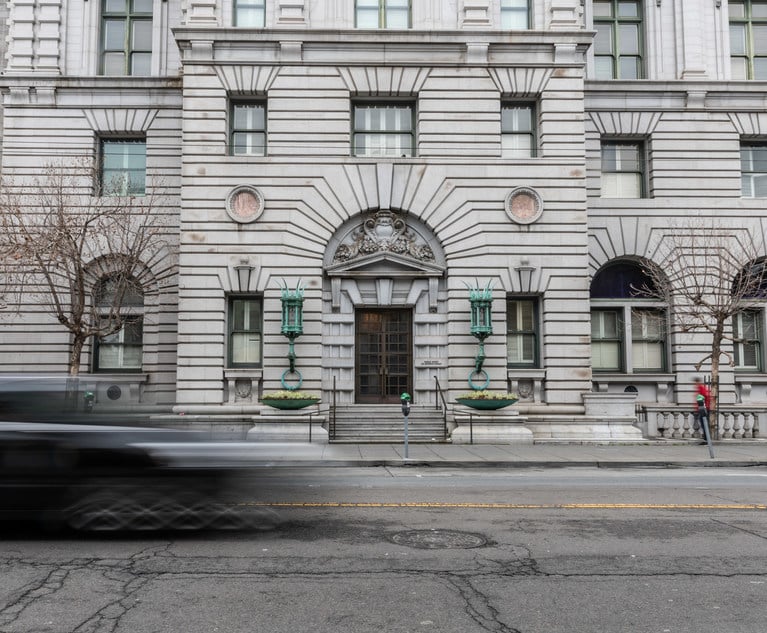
<point x="438" y="539"/>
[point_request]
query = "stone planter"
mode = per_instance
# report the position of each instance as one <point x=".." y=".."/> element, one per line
<point x="486" y="404"/>
<point x="289" y="403"/>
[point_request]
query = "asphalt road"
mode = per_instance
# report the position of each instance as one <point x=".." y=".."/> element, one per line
<point x="417" y="549"/>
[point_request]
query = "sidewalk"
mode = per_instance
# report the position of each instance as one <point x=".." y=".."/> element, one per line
<point x="650" y="454"/>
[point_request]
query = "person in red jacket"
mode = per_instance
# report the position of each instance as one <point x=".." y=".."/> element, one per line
<point x="702" y="403"/>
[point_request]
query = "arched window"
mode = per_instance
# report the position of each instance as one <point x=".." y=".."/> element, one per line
<point x="628" y="322"/>
<point x="119" y="302"/>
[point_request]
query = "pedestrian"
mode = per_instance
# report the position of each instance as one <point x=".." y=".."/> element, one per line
<point x="702" y="406"/>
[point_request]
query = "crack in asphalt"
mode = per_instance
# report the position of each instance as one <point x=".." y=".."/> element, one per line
<point x="107" y="618"/>
<point x="133" y="574"/>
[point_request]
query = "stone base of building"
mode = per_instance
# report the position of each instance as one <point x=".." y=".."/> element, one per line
<point x="288" y="426"/>
<point x="586" y="429"/>
<point x="215" y="427"/>
<point x="490" y="427"/>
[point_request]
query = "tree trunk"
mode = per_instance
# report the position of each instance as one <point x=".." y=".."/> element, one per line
<point x="716" y="347"/>
<point x="73" y="382"/>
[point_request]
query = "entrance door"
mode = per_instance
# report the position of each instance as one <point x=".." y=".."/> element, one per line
<point x="383" y="355"/>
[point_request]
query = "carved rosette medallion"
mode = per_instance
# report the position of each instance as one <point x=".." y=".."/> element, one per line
<point x="381" y="232"/>
<point x="524" y="205"/>
<point x="245" y="204"/>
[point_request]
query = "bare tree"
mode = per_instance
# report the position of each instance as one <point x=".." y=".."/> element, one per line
<point x="64" y="234"/>
<point x="708" y="273"/>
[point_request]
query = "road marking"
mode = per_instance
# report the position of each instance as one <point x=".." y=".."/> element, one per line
<point x="512" y="506"/>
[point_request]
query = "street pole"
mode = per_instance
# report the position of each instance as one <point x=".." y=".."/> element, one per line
<point x="703" y="418"/>
<point x="405" y="401"/>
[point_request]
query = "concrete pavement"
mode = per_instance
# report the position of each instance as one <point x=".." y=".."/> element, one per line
<point x="648" y="454"/>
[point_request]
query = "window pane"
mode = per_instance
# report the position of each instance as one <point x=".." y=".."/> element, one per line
<point x="603" y="40"/>
<point x="647" y="356"/>
<point x="516" y="118"/>
<point x="142" y="6"/>
<point x="114" y="34"/>
<point x="115" y="6"/>
<point x="249" y="117"/>
<point x="736" y="9"/>
<point x="628" y="9"/>
<point x="739" y="68"/>
<point x="250" y="17"/>
<point x="621" y="186"/>
<point x="759" y="33"/>
<point x="760" y="68"/>
<point x="141" y="64"/>
<point x="114" y="63"/>
<point x="603" y="67"/>
<point x="367" y="14"/>
<point x="759" y="10"/>
<point x="141" y="39"/>
<point x="629" y="68"/>
<point x="603" y="9"/>
<point x="246" y="348"/>
<point x="517" y="145"/>
<point x="738" y="39"/>
<point x="514" y="14"/>
<point x="605" y="355"/>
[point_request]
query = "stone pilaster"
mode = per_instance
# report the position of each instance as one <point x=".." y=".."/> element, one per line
<point x="291" y="13"/>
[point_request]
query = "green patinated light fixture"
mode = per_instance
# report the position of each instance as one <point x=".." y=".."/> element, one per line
<point x="481" y="302"/>
<point x="292" y="327"/>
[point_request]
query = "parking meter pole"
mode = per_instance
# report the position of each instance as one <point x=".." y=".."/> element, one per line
<point x="703" y="418"/>
<point x="405" y="401"/>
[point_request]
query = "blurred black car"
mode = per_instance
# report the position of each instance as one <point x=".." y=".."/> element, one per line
<point x="107" y="478"/>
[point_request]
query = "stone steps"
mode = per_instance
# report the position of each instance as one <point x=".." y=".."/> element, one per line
<point x="385" y="424"/>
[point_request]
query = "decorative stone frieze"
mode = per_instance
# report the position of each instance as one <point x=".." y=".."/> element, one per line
<point x="383" y="231"/>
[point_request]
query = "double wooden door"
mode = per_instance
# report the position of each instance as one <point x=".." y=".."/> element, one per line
<point x="384" y="343"/>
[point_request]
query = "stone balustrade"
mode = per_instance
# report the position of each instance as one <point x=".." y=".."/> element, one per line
<point x="678" y="422"/>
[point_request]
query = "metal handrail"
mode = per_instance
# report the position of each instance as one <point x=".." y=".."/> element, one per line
<point x="332" y="421"/>
<point x="439" y="395"/>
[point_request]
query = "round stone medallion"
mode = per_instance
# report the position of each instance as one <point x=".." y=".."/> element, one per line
<point x="524" y="205"/>
<point x="245" y="204"/>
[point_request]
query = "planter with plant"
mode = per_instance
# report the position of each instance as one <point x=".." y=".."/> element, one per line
<point x="287" y="399"/>
<point x="487" y="400"/>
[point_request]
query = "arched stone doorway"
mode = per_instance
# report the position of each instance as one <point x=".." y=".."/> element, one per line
<point x="384" y="311"/>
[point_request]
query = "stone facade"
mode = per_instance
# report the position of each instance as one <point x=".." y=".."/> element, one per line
<point x="535" y="227"/>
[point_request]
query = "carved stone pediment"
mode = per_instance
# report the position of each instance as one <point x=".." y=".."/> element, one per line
<point x="384" y="264"/>
<point x="384" y="237"/>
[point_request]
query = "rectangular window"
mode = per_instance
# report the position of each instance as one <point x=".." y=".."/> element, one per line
<point x="606" y="340"/>
<point x="122" y="350"/>
<point x="522" y="332"/>
<point x="623" y="169"/>
<point x="123" y="167"/>
<point x="245" y="332"/>
<point x="126" y="37"/>
<point x="747" y="332"/>
<point x="383" y="130"/>
<point x="748" y="39"/>
<point x="515" y="14"/>
<point x="648" y="340"/>
<point x="382" y="14"/>
<point x="249" y="13"/>
<point x="618" y="42"/>
<point x="518" y="130"/>
<point x="248" y="129"/>
<point x="753" y="170"/>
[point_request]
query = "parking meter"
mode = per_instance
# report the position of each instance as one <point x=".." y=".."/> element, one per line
<point x="89" y="397"/>
<point x="405" y="400"/>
